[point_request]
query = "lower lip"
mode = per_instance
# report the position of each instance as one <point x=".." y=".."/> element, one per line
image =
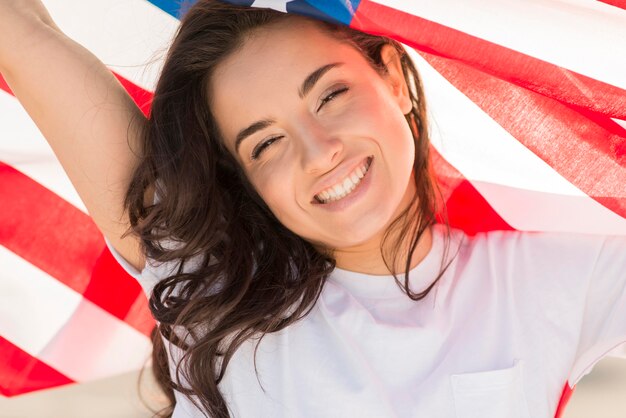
<point x="358" y="191"/>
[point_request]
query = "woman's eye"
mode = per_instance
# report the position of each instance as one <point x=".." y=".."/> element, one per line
<point x="332" y="95"/>
<point x="256" y="152"/>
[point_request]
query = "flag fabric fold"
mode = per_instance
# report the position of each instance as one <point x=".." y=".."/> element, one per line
<point x="527" y="111"/>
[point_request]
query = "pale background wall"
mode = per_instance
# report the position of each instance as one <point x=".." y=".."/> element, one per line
<point x="601" y="394"/>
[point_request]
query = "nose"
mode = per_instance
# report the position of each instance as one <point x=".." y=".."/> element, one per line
<point x="320" y="148"/>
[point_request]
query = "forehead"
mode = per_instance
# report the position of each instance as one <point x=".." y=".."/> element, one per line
<point x="264" y="74"/>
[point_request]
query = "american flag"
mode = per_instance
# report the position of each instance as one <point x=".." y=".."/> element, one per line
<point x="527" y="108"/>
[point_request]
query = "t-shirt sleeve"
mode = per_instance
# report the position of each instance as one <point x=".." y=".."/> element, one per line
<point x="184" y="408"/>
<point x="603" y="326"/>
<point x="147" y="278"/>
<point x="568" y="289"/>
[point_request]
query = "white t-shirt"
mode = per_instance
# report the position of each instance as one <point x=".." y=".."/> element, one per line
<point x="515" y="318"/>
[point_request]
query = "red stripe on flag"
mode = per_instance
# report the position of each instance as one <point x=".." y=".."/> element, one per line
<point x="111" y="287"/>
<point x="142" y="98"/>
<point x="617" y="3"/>
<point x="59" y="239"/>
<point x="523" y="70"/>
<point x="22" y="373"/>
<point x="588" y="149"/>
<point x="4" y="86"/>
<point x="466" y="208"/>
<point x="47" y="231"/>
<point x="565" y="397"/>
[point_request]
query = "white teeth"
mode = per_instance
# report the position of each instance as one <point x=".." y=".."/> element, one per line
<point x="340" y="190"/>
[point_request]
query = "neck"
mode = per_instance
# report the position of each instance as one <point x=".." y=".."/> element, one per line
<point x="367" y="258"/>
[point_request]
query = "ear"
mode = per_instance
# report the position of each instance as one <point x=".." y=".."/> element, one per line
<point x="395" y="77"/>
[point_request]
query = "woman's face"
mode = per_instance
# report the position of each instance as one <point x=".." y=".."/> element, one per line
<point x="320" y="134"/>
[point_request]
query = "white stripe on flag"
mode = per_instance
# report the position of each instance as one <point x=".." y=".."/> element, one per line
<point x="280" y="5"/>
<point x="23" y="147"/>
<point x="477" y="145"/>
<point x="540" y="29"/>
<point x="520" y="186"/>
<point x="55" y="324"/>
<point x="94" y="345"/>
<point x="529" y="210"/>
<point x="33" y="305"/>
<point x="127" y="35"/>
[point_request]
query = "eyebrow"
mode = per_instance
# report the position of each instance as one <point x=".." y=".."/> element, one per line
<point x="307" y="86"/>
<point x="255" y="127"/>
<point x="314" y="77"/>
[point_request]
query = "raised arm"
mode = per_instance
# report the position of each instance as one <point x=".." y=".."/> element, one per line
<point x="84" y="113"/>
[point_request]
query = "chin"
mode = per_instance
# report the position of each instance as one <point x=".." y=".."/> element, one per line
<point x="353" y="237"/>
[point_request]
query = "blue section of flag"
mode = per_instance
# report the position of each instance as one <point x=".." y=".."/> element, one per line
<point x="336" y="11"/>
<point x="304" y="8"/>
<point x="172" y="7"/>
<point x="240" y="2"/>
<point x="340" y="10"/>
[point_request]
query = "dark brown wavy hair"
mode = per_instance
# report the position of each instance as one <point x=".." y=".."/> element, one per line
<point x="240" y="273"/>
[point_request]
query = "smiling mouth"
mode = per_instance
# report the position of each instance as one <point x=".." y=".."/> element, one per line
<point x="345" y="186"/>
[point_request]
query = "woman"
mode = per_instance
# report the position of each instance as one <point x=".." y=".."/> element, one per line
<point x="270" y="209"/>
<point x="282" y="165"/>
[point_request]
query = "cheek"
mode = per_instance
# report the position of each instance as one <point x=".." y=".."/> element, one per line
<point x="276" y="188"/>
<point x="379" y="111"/>
<point x="390" y="129"/>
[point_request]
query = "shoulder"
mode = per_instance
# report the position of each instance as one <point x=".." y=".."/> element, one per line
<point x="538" y="259"/>
<point x="536" y="247"/>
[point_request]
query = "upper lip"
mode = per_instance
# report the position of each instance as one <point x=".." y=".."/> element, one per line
<point x="339" y="174"/>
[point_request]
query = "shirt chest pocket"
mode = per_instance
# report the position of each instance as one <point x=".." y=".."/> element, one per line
<point x="490" y="394"/>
